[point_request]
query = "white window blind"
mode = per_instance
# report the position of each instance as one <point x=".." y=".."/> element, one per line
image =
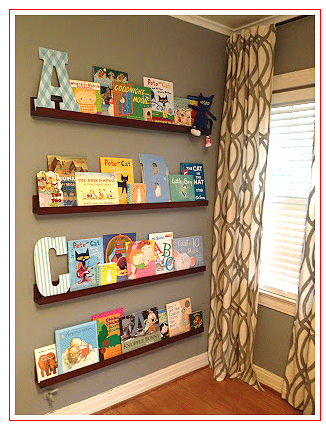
<point x="287" y="188"/>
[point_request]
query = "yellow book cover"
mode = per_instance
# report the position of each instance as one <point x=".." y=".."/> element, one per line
<point x="96" y="189"/>
<point x="125" y="173"/>
<point x="106" y="273"/>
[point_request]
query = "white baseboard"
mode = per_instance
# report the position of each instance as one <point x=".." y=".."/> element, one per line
<point x="123" y="392"/>
<point x="131" y="389"/>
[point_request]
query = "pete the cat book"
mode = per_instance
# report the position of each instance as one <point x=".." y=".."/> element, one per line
<point x="131" y="101"/>
<point x="87" y="95"/>
<point x="83" y="256"/>
<point x="46" y="362"/>
<point x="178" y="316"/>
<point x="162" y="99"/>
<point x="77" y="346"/>
<point x="182" y="188"/>
<point x="188" y="252"/>
<point x="114" y="248"/>
<point x="123" y="167"/>
<point x="140" y="259"/>
<point x="196" y="170"/>
<point x="163" y="251"/>
<point x="108" y="332"/>
<point x="97" y="189"/>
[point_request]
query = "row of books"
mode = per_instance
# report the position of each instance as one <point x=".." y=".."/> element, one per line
<point x="112" y="333"/>
<point x="69" y="183"/>
<point x="112" y="94"/>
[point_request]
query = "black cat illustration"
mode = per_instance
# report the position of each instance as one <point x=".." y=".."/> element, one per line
<point x="164" y="101"/>
<point x="123" y="183"/>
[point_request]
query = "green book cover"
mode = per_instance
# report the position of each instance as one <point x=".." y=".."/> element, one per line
<point x="131" y="101"/>
<point x="182" y="188"/>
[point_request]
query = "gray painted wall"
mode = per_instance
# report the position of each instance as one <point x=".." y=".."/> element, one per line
<point x="194" y="59"/>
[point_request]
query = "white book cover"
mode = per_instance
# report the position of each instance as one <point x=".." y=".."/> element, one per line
<point x="163" y="251"/>
<point x="162" y="99"/>
<point x="46" y="362"/>
<point x="178" y="316"/>
<point x="97" y="188"/>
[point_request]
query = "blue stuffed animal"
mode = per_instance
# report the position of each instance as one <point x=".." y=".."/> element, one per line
<point x="202" y="123"/>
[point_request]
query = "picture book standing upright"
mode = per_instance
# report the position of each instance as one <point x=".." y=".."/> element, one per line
<point x="49" y="189"/>
<point x="131" y="101"/>
<point x="163" y="251"/>
<point x="188" y="252"/>
<point x="196" y="170"/>
<point x="97" y="189"/>
<point x="140" y="259"/>
<point x="87" y="95"/>
<point x="83" y="256"/>
<point x="123" y="167"/>
<point x="162" y="99"/>
<point x="163" y="321"/>
<point x="114" y="247"/>
<point x="108" y="332"/>
<point x="46" y="362"/>
<point x="178" y="316"/>
<point x="182" y="112"/>
<point x="181" y="188"/>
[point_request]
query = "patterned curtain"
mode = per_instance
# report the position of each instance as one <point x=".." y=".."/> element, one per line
<point x="238" y="206"/>
<point x="299" y="381"/>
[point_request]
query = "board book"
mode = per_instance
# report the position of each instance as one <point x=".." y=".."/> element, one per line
<point x="188" y="252"/>
<point x="106" y="273"/>
<point x="182" y="112"/>
<point x="77" y="346"/>
<point x="163" y="321"/>
<point x="131" y="101"/>
<point x="123" y="167"/>
<point x="49" y="189"/>
<point x="196" y="319"/>
<point x="114" y="249"/>
<point x="163" y="251"/>
<point x="162" y="99"/>
<point x="108" y="332"/>
<point x="105" y="76"/>
<point x="196" y="170"/>
<point x="97" y="189"/>
<point x="87" y="95"/>
<point x="46" y="362"/>
<point x="181" y="188"/>
<point x="83" y="256"/>
<point x="136" y="193"/>
<point x="178" y="316"/>
<point x="140" y="259"/>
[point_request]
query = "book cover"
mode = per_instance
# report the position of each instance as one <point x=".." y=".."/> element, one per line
<point x="131" y="101"/>
<point x="87" y="95"/>
<point x="140" y="259"/>
<point x="178" y="316"/>
<point x="155" y="175"/>
<point x="139" y="329"/>
<point x="163" y="322"/>
<point x="83" y="256"/>
<point x="181" y="188"/>
<point x="69" y="195"/>
<point x="182" y="112"/>
<point x="105" y="76"/>
<point x="136" y="193"/>
<point x="162" y="99"/>
<point x="196" y="170"/>
<point x="77" y="346"/>
<point x="124" y="169"/>
<point x="46" y="362"/>
<point x="106" y="273"/>
<point x="163" y="251"/>
<point x="49" y="189"/>
<point x="196" y="319"/>
<point x="97" y="188"/>
<point x="66" y="165"/>
<point x="108" y="332"/>
<point x="188" y="252"/>
<point x="114" y="248"/>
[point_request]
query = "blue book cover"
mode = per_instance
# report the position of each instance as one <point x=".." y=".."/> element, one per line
<point x="83" y="255"/>
<point x="68" y="187"/>
<point x="114" y="249"/>
<point x="196" y="170"/>
<point x="76" y="346"/>
<point x="188" y="252"/>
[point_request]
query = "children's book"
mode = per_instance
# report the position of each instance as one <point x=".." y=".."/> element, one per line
<point x="68" y="187"/>
<point x="162" y="99"/>
<point x="123" y="167"/>
<point x="196" y="319"/>
<point x="66" y="165"/>
<point x="131" y="101"/>
<point x="106" y="273"/>
<point x="182" y="112"/>
<point x="163" y="321"/>
<point x="139" y="329"/>
<point x="196" y="170"/>
<point x="188" y="252"/>
<point x="106" y="76"/>
<point x="136" y="193"/>
<point x="140" y="259"/>
<point x="97" y="188"/>
<point x="77" y="346"/>
<point x="87" y="95"/>
<point x="178" y="316"/>
<point x="181" y="188"/>
<point x="163" y="251"/>
<point x="46" y="362"/>
<point x="49" y="189"/>
<point x="83" y="256"/>
<point x="114" y="248"/>
<point x="108" y="332"/>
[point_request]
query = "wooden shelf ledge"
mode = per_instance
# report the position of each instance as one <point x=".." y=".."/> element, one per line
<point x="107" y="208"/>
<point x="39" y="299"/>
<point x="104" y="363"/>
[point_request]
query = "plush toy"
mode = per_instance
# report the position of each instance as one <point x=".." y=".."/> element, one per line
<point x="201" y="122"/>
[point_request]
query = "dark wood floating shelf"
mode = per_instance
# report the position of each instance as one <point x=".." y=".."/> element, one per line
<point x="103" y="363"/>
<point x="39" y="299"/>
<point x="106" y="208"/>
<point x="57" y="113"/>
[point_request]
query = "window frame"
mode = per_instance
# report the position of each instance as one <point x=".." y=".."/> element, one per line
<point x="289" y="87"/>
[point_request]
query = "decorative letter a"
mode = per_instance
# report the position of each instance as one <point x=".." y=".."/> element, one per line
<point x="54" y="58"/>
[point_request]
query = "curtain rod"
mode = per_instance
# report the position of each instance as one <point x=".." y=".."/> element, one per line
<point x="292" y="20"/>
